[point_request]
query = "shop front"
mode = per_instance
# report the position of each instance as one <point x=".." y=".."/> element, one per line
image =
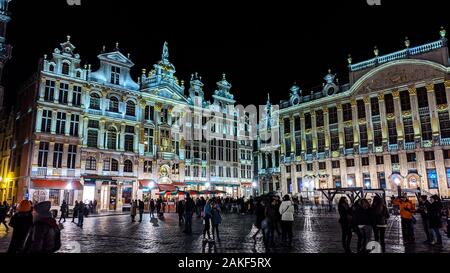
<point x="56" y="191"/>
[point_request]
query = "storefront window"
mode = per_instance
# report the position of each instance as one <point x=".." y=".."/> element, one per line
<point x="54" y="197"/>
<point x="432" y="179"/>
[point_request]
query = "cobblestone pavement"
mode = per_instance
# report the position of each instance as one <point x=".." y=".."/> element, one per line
<point x="314" y="232"/>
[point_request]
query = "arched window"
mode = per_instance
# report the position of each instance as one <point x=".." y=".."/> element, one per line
<point x="94" y="101"/>
<point x="128" y="166"/>
<point x="111" y="138"/>
<point x="91" y="163"/>
<point x="65" y="69"/>
<point x="131" y="109"/>
<point x="51" y="68"/>
<point x="78" y="74"/>
<point x="114" y="104"/>
<point x="114" y="165"/>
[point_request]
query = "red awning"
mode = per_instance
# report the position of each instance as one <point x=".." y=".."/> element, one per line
<point x="145" y="183"/>
<point x="167" y="187"/>
<point x="179" y="184"/>
<point x="161" y="187"/>
<point x="56" y="184"/>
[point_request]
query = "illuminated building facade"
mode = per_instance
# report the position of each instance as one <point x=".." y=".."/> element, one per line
<point x="101" y="135"/>
<point x="390" y="121"/>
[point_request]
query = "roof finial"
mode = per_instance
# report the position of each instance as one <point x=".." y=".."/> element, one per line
<point x="117" y="46"/>
<point x="349" y="59"/>
<point x="224" y="77"/>
<point x="376" y="51"/>
<point x="329" y="70"/>
<point x="407" y="42"/>
<point x="443" y="32"/>
<point x="104" y="49"/>
<point x="165" y="52"/>
<point x="268" y="97"/>
<point x="68" y="38"/>
<point x="128" y="55"/>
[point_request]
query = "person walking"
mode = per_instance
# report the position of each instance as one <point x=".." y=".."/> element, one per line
<point x="159" y="206"/>
<point x="406" y="214"/>
<point x="95" y="206"/>
<point x="152" y="208"/>
<point x="141" y="206"/>
<point x="207" y="220"/>
<point x="133" y="211"/>
<point x="277" y="223"/>
<point x="287" y="219"/>
<point x="81" y="208"/>
<point x="64" y="209"/>
<point x="44" y="235"/>
<point x="260" y="215"/>
<point x="345" y="220"/>
<point x="180" y="211"/>
<point x="189" y="208"/>
<point x="380" y="215"/>
<point x="75" y="211"/>
<point x="424" y="208"/>
<point x="3" y="212"/>
<point x="435" y="214"/>
<point x="216" y="219"/>
<point x="21" y="223"/>
<point x="364" y="223"/>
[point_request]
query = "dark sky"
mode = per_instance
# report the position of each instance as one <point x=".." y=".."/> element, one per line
<point x="263" y="46"/>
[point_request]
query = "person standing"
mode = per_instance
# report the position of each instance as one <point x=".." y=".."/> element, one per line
<point x="189" y="208"/>
<point x="207" y="220"/>
<point x="260" y="214"/>
<point x="180" y="211"/>
<point x="435" y="214"/>
<point x="44" y="235"/>
<point x="81" y="208"/>
<point x="152" y="208"/>
<point x="277" y="223"/>
<point x="406" y="214"/>
<point x="216" y="219"/>
<point x="95" y="206"/>
<point x="271" y="217"/>
<point x="345" y="219"/>
<point x="75" y="211"/>
<point x="21" y="223"/>
<point x="424" y="208"/>
<point x="3" y="212"/>
<point x="64" y="209"/>
<point x="133" y="211"/>
<point x="380" y="215"/>
<point x="364" y="223"/>
<point x="287" y="219"/>
<point x="159" y="206"/>
<point x="141" y="209"/>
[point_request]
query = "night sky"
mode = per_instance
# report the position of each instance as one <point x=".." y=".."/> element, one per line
<point x="262" y="46"/>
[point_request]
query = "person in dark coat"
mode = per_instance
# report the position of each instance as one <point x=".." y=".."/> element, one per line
<point x="345" y="218"/>
<point x="216" y="220"/>
<point x="3" y="212"/>
<point x="159" y="206"/>
<point x="271" y="217"/>
<point x="180" y="211"/>
<point x="189" y="208"/>
<point x="133" y="210"/>
<point x="21" y="223"/>
<point x="64" y="210"/>
<point x="152" y="208"/>
<point x="424" y="208"/>
<point x="364" y="221"/>
<point x="44" y="235"/>
<point x="81" y="208"/>
<point x="260" y="214"/>
<point x="380" y="215"/>
<point x="435" y="215"/>
<point x="75" y="211"/>
<point x="141" y="206"/>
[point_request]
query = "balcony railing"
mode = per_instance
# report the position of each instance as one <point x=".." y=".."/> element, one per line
<point x="410" y="146"/>
<point x="363" y="150"/>
<point x="393" y="147"/>
<point x="349" y="151"/>
<point x="445" y="141"/>
<point x="424" y="111"/>
<point x="42" y="172"/>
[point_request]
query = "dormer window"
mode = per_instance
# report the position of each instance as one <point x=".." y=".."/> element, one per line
<point x="115" y="75"/>
<point x="65" y="69"/>
<point x="51" y="68"/>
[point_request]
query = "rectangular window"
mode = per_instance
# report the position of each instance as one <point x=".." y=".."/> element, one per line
<point x="377" y="134"/>
<point x="203" y="153"/>
<point x="392" y="131"/>
<point x="337" y="181"/>
<point x="322" y="166"/>
<point x="94" y="124"/>
<point x="115" y="75"/>
<point x="432" y="179"/>
<point x="60" y="123"/>
<point x="107" y="164"/>
<point x="287" y="126"/>
<point x="188" y="152"/>
<point x="408" y="130"/>
<point x="298" y="145"/>
<point x="335" y="164"/>
<point x="348" y="134"/>
<point x="309" y="144"/>
<point x="320" y="142"/>
<point x="43" y="154"/>
<point x="308" y="121"/>
<point x="148" y="142"/>
<point x="57" y="155"/>
<point x="319" y="118"/>
<point x="448" y="177"/>
<point x="444" y="124"/>
<point x="363" y="141"/>
<point x="410" y="157"/>
<point x="381" y="180"/>
<point x="92" y="138"/>
<point x="405" y="102"/>
<point x="147" y="166"/>
<point x="366" y="180"/>
<point x="287" y="142"/>
<point x="422" y="97"/>
<point x="298" y="168"/>
<point x="425" y="123"/>
<point x="46" y="124"/>
<point x="71" y="156"/>
<point x="129" y="143"/>
<point x="49" y="91"/>
<point x="334" y="137"/>
<point x="350" y="162"/>
<point x="365" y="161"/>
<point x="76" y="95"/>
<point x="395" y="159"/>
<point x="347" y="111"/>
<point x="288" y="169"/>
<point x="332" y="115"/>
<point x="74" y="123"/>
<point x="446" y="154"/>
<point x="63" y="93"/>
<point x="374" y="106"/>
<point x="309" y="167"/>
<point x="429" y="155"/>
<point x="297" y="125"/>
<point x="440" y="93"/>
<point x="361" y="109"/>
<point x="380" y="160"/>
<point x="389" y="103"/>
<point x="289" y="185"/>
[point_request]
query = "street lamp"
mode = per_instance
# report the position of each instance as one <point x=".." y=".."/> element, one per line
<point x="397" y="182"/>
<point x="207" y="184"/>
<point x="350" y="182"/>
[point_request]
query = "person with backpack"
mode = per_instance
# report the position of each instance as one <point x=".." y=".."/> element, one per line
<point x="44" y="235"/>
<point x="141" y="209"/>
<point x="287" y="219"/>
<point x="75" y="211"/>
<point x="64" y="210"/>
<point x="216" y="219"/>
<point x="21" y="223"/>
<point x="380" y="215"/>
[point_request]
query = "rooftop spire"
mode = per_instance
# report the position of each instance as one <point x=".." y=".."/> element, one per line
<point x="68" y="38"/>
<point x="165" y="52"/>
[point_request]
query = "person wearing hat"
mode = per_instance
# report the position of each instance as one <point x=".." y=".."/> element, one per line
<point x="21" y="223"/>
<point x="44" y="235"/>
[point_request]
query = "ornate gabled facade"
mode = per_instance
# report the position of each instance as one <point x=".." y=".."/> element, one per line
<point x="389" y="125"/>
<point x="101" y="135"/>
